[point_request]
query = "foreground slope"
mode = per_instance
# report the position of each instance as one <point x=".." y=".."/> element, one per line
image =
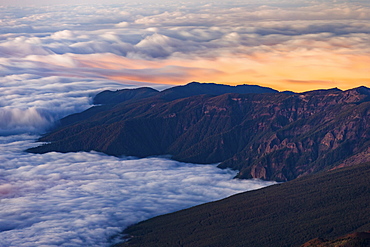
<point x="326" y="205"/>
<point x="262" y="134"/>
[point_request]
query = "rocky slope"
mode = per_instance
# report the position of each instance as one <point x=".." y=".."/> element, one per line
<point x="258" y="131"/>
<point x="325" y="205"/>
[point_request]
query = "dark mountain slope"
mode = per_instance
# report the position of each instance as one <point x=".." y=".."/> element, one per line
<point x="115" y="97"/>
<point x="272" y="136"/>
<point x="178" y="92"/>
<point x="196" y="88"/>
<point x="325" y="205"/>
<point x="107" y="99"/>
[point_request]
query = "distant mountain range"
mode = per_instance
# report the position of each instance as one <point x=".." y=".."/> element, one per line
<point x="258" y="131"/>
<point x="303" y="212"/>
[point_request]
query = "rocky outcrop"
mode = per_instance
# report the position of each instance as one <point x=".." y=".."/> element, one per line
<point x="273" y="136"/>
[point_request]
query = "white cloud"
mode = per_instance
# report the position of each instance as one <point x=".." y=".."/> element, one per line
<point x="85" y="198"/>
<point x="65" y="34"/>
<point x="122" y="24"/>
<point x="21" y="47"/>
<point x="31" y="103"/>
<point x="190" y="31"/>
<point x="20" y="121"/>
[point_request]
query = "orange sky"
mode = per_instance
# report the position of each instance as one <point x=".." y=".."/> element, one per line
<point x="296" y="47"/>
<point x="305" y="71"/>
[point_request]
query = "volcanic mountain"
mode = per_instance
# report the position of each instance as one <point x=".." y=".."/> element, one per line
<point x="258" y="131"/>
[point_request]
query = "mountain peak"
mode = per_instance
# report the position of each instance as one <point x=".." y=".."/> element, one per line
<point x="360" y="90"/>
<point x="118" y="96"/>
<point x="196" y="88"/>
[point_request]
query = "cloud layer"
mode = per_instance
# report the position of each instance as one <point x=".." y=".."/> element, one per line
<point x="86" y="198"/>
<point x="321" y="44"/>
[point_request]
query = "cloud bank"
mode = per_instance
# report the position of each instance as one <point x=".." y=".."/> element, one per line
<point x="81" y="199"/>
<point x="321" y="44"/>
<point x="32" y="104"/>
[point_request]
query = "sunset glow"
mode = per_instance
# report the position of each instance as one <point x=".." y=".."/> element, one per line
<point x="286" y="47"/>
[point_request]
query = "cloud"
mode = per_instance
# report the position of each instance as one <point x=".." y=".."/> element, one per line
<point x="122" y="24"/>
<point x="192" y="40"/>
<point x="60" y="35"/>
<point x="85" y="198"/>
<point x="21" y="47"/>
<point x="20" y="121"/>
<point x="30" y="103"/>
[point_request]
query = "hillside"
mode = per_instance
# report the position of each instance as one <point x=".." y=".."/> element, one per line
<point x="258" y="131"/>
<point x="325" y="205"/>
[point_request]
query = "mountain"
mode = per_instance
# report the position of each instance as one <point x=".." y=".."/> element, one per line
<point x="109" y="97"/>
<point x="106" y="99"/>
<point x="196" y="88"/>
<point x="326" y="205"/>
<point x="258" y="131"/>
<point x="178" y="92"/>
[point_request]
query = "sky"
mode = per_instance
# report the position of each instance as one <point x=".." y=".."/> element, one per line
<point x="298" y="46"/>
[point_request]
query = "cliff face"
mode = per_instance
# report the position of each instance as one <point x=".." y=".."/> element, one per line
<point x="321" y="131"/>
<point x="273" y="136"/>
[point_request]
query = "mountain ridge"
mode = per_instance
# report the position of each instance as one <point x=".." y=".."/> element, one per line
<point x="265" y="134"/>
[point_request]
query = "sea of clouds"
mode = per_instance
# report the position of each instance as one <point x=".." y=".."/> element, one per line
<point x="54" y="59"/>
<point x="86" y="199"/>
<point x="172" y="42"/>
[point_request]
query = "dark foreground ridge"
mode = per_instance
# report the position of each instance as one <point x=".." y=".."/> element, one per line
<point x="326" y="205"/>
<point x="258" y="131"/>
